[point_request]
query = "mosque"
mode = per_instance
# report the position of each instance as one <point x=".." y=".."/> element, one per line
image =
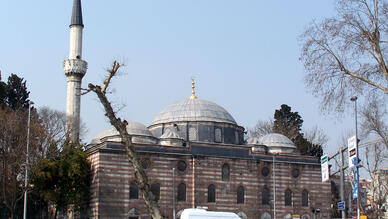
<point x="195" y="156"/>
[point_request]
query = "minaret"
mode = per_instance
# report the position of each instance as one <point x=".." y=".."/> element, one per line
<point x="75" y="69"/>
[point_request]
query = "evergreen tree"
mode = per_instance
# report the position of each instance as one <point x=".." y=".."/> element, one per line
<point x="14" y="93"/>
<point x="289" y="124"/>
<point x="64" y="180"/>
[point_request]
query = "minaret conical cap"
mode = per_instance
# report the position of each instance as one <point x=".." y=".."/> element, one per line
<point x="76" y="17"/>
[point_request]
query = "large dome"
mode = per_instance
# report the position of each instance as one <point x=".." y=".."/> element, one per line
<point x="193" y="110"/>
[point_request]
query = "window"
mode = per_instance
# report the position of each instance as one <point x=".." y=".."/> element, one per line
<point x="288" y="216"/>
<point x="265" y="171"/>
<point x="305" y="198"/>
<point x="133" y="191"/>
<point x="265" y="215"/>
<point x="182" y="165"/>
<point x="155" y="189"/>
<point x="133" y="214"/>
<point x="225" y="172"/>
<point x="181" y="192"/>
<point x="240" y="195"/>
<point x="192" y="133"/>
<point x="295" y="173"/>
<point x="217" y="135"/>
<point x="288" y="197"/>
<point x="265" y="196"/>
<point x="236" y="137"/>
<point x="211" y="193"/>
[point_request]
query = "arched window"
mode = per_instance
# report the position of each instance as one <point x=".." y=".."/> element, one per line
<point x="288" y="216"/>
<point x="155" y="189"/>
<point x="133" y="214"/>
<point x="265" y="215"/>
<point x="225" y="172"/>
<point x="211" y="193"/>
<point x="305" y="198"/>
<point x="265" y="196"/>
<point x="240" y="195"/>
<point x="133" y="191"/>
<point x="288" y="197"/>
<point x="181" y="192"/>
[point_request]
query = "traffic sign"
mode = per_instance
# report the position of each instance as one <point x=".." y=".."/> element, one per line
<point x="341" y="206"/>
<point x="325" y="168"/>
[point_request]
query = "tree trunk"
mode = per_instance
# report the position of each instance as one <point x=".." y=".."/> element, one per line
<point x="120" y="126"/>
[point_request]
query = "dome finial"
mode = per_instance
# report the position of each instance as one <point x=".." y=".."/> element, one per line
<point x="193" y="89"/>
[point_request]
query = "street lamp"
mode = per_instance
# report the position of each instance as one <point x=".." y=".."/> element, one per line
<point x="274" y="186"/>
<point x="27" y="160"/>
<point x="173" y="193"/>
<point x="354" y="99"/>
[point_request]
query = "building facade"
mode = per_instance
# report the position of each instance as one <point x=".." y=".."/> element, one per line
<point x="195" y="155"/>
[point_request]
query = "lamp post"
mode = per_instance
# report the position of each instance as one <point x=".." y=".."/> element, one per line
<point x="354" y="99"/>
<point x="274" y="186"/>
<point x="173" y="193"/>
<point x="27" y="160"/>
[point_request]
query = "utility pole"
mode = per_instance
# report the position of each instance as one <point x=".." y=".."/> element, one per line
<point x="274" y="186"/>
<point x="357" y="176"/>
<point x="342" y="186"/>
<point x="27" y="160"/>
<point x="342" y="177"/>
<point x="173" y="193"/>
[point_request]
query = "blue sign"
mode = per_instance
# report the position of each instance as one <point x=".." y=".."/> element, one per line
<point x="341" y="206"/>
<point x="355" y="190"/>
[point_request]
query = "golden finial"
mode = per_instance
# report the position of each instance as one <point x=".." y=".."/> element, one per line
<point x="193" y="89"/>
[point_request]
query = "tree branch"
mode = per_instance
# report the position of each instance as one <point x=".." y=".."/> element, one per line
<point x="120" y="126"/>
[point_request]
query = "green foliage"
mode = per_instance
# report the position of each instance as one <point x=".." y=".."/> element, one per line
<point x="14" y="94"/>
<point x="286" y="122"/>
<point x="64" y="180"/>
<point x="306" y="147"/>
<point x="290" y="123"/>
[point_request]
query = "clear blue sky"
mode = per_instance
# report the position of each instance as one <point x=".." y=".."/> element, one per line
<point x="243" y="54"/>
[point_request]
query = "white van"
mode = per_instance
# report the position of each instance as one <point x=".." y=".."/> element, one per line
<point x="193" y="213"/>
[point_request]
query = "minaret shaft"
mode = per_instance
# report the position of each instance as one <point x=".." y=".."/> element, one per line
<point x="75" y="69"/>
<point x="75" y="50"/>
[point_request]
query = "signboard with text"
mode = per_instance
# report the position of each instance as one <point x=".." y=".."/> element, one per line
<point x="325" y="168"/>
<point x="341" y="206"/>
<point x="352" y="150"/>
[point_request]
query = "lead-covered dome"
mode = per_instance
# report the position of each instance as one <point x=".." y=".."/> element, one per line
<point x="278" y="143"/>
<point x="193" y="110"/>
<point x="138" y="131"/>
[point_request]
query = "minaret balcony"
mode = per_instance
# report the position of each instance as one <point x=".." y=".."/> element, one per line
<point x="75" y="66"/>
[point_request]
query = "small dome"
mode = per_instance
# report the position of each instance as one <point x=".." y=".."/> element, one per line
<point x="193" y="110"/>
<point x="276" y="140"/>
<point x="133" y="128"/>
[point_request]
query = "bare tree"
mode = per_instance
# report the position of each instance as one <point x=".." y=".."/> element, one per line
<point x="54" y="123"/>
<point x="374" y="115"/>
<point x="346" y="55"/>
<point x="13" y="133"/>
<point x="316" y="136"/>
<point x="262" y="128"/>
<point x="120" y="126"/>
